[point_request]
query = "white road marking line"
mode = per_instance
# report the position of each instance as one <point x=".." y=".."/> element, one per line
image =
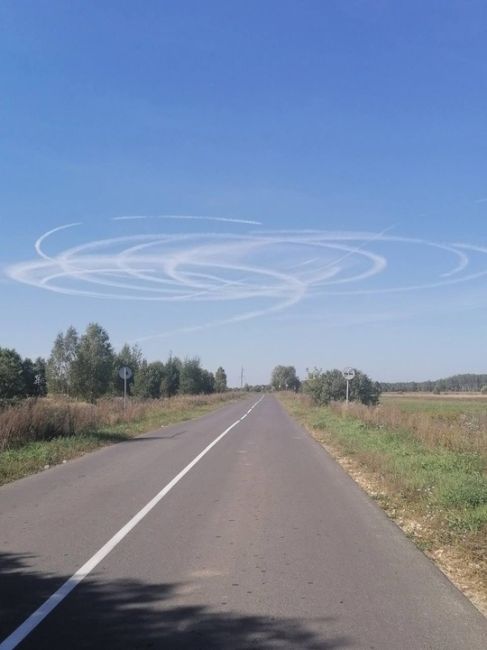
<point x="58" y="596"/>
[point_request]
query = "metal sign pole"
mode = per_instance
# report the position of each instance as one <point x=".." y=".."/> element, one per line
<point x="125" y="373"/>
<point x="348" y="375"/>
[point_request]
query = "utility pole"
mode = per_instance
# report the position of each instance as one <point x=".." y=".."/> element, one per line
<point x="241" y="378"/>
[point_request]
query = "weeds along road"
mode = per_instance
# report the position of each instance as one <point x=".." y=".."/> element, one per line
<point x="264" y="542"/>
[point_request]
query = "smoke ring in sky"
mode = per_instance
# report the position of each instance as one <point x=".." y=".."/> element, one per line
<point x="277" y="267"/>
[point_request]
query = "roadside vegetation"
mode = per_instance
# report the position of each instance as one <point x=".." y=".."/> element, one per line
<point x="87" y="367"/>
<point x="425" y="461"/>
<point x="38" y="433"/>
<point x="52" y="410"/>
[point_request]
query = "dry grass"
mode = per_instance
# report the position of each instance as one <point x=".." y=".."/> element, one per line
<point x="36" y="434"/>
<point x="441" y="397"/>
<point x="453" y="430"/>
<point x="44" y="419"/>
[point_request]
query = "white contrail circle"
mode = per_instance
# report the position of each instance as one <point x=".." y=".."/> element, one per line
<point x="184" y="217"/>
<point x="274" y="270"/>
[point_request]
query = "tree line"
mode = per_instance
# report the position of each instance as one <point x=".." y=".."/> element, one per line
<point x="455" y="383"/>
<point x="86" y="367"/>
<point x="330" y="385"/>
<point x="21" y="377"/>
<point x="327" y="386"/>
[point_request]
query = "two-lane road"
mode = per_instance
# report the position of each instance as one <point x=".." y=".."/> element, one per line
<point x="262" y="542"/>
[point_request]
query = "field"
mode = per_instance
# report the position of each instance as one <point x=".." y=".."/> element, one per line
<point x="457" y="422"/>
<point x="456" y="403"/>
<point x="424" y="459"/>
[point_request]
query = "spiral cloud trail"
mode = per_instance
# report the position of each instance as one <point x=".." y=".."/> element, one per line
<point x="274" y="269"/>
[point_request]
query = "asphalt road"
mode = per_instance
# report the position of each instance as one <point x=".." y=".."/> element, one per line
<point x="264" y="543"/>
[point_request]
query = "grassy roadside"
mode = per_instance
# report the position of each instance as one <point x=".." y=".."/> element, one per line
<point x="437" y="495"/>
<point x="36" y="455"/>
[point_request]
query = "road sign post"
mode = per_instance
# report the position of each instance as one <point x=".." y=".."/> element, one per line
<point x="125" y="373"/>
<point x="349" y="374"/>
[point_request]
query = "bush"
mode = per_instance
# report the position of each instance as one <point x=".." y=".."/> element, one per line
<point x="331" y="386"/>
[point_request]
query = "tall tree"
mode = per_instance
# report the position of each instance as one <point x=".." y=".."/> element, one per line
<point x="34" y="374"/>
<point x="285" y="378"/>
<point x="220" y="380"/>
<point x="28" y="373"/>
<point x="130" y="357"/>
<point x="191" y="377"/>
<point x="93" y="367"/>
<point x="148" y="379"/>
<point x="12" y="381"/>
<point x="171" y="378"/>
<point x="207" y="382"/>
<point x="40" y="380"/>
<point x="60" y="362"/>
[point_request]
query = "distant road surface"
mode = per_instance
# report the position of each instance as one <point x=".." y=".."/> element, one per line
<point x="261" y="542"/>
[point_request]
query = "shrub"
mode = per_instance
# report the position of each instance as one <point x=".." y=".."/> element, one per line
<point x="331" y="386"/>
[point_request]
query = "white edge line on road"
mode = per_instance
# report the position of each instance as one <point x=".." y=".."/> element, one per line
<point x="58" y="596"/>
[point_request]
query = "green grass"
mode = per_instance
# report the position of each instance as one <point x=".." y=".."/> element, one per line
<point x="453" y="485"/>
<point x="16" y="463"/>
<point x="438" y="494"/>
<point x="35" y="456"/>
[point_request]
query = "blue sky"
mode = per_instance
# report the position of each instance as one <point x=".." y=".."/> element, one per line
<point x="363" y="122"/>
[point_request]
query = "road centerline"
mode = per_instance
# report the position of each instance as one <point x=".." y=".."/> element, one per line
<point x="30" y="623"/>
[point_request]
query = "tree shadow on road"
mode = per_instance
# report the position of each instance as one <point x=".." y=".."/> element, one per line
<point x="136" y="615"/>
<point x="112" y="437"/>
